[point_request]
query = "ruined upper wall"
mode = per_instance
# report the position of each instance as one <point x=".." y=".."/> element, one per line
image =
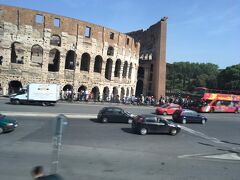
<point x="148" y="39"/>
<point x="22" y="16"/>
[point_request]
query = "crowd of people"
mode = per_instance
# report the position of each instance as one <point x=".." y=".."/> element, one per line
<point x="86" y="96"/>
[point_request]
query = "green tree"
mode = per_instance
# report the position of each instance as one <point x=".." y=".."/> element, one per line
<point x="229" y="78"/>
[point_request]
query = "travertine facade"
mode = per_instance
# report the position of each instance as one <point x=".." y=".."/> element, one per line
<point x="40" y="47"/>
<point x="152" y="63"/>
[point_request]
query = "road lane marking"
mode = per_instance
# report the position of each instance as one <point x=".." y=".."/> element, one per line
<point x="40" y="114"/>
<point x="202" y="135"/>
<point x="223" y="156"/>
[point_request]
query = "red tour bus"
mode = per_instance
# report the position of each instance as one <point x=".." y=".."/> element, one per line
<point x="216" y="100"/>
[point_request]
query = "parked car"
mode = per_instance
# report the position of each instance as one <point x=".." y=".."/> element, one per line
<point x="167" y="109"/>
<point x="150" y="123"/>
<point x="115" y="114"/>
<point x="7" y="124"/>
<point x="188" y="116"/>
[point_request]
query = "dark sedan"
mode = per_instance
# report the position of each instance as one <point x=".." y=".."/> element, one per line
<point x="7" y="124"/>
<point x="188" y="116"/>
<point x="114" y="114"/>
<point x="149" y="123"/>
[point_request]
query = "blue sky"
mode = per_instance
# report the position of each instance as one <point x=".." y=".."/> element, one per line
<point x="204" y="31"/>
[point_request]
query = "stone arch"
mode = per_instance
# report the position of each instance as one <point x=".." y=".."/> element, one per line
<point x="140" y="72"/>
<point x="95" y="94"/>
<point x="130" y="71"/>
<point x="55" y="40"/>
<point x="17" y="53"/>
<point x="82" y="88"/>
<point x="70" y="60"/>
<point x="82" y="93"/>
<point x="14" y="86"/>
<point x="115" y="96"/>
<point x="139" y="88"/>
<point x="68" y="87"/>
<point x="85" y="62"/>
<point x="98" y="64"/>
<point x="127" y="93"/>
<point x="122" y="93"/>
<point x="108" y="69"/>
<point x="37" y="54"/>
<point x="117" y="68"/>
<point x="67" y="91"/>
<point x="125" y="68"/>
<point x="105" y="94"/>
<point x="54" y="60"/>
<point x="110" y="51"/>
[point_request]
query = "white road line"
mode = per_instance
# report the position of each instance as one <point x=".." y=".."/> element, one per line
<point x="40" y="114"/>
<point x="202" y="135"/>
<point x="223" y="156"/>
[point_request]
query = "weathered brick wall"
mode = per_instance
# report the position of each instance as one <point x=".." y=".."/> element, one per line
<point x="20" y="25"/>
<point x="153" y="57"/>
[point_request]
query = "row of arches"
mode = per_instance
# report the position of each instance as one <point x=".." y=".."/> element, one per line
<point x="17" y="56"/>
<point x="94" y="93"/>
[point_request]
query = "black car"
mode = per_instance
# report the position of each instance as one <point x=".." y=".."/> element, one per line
<point x="114" y="114"/>
<point x="7" y="124"/>
<point x="150" y="123"/>
<point x="188" y="116"/>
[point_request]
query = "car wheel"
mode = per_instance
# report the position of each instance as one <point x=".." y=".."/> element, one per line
<point x="173" y="132"/>
<point x="143" y="131"/>
<point x="130" y="121"/>
<point x="16" y="101"/>
<point x="104" y="120"/>
<point x="1" y="130"/>
<point x="164" y="113"/>
<point x="203" y="121"/>
<point x="184" y="121"/>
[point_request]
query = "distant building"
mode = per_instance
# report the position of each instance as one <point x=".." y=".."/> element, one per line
<point x="41" y="47"/>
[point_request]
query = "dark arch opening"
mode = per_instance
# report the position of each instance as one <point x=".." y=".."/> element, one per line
<point x="125" y="67"/>
<point x="115" y="96"/>
<point x="55" y="40"/>
<point x="108" y="69"/>
<point x="98" y="64"/>
<point x="17" y="53"/>
<point x="14" y="87"/>
<point x="82" y="93"/>
<point x="139" y="88"/>
<point x="37" y="54"/>
<point x="70" y="60"/>
<point x="110" y="51"/>
<point x="54" y="60"/>
<point x="130" y="71"/>
<point x="122" y="93"/>
<point x="85" y="62"/>
<point x="127" y="94"/>
<point x="117" y="68"/>
<point x="140" y="72"/>
<point x="67" y="92"/>
<point x="95" y="94"/>
<point x="106" y="94"/>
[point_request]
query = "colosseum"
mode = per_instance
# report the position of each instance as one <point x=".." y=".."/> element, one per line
<point x="39" y="47"/>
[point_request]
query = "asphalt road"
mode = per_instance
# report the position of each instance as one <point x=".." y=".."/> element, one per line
<point x="96" y="151"/>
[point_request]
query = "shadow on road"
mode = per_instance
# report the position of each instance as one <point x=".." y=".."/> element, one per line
<point x="95" y="120"/>
<point x="128" y="130"/>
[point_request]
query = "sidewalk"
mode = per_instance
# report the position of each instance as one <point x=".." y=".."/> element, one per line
<point x="40" y="114"/>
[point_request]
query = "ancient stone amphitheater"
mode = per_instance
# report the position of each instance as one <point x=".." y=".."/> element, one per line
<point x="39" y="47"/>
